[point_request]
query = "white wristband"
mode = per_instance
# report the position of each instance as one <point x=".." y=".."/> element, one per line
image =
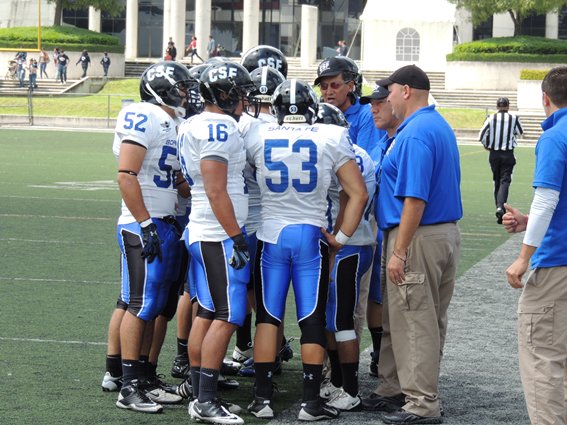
<point x="341" y="238"/>
<point x="146" y="223"/>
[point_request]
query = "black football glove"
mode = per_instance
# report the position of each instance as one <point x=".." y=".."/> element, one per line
<point x="150" y="239"/>
<point x="240" y="255"/>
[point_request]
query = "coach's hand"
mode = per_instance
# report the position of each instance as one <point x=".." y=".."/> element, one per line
<point x="150" y="239"/>
<point x="240" y="255"/>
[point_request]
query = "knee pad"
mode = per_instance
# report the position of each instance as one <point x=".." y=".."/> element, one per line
<point x="312" y="333"/>
<point x="344" y="336"/>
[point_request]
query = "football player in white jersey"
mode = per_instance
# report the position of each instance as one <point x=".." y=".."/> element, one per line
<point x="351" y="262"/>
<point x="266" y="79"/>
<point x="294" y="161"/>
<point x="213" y="156"/>
<point x="149" y="182"/>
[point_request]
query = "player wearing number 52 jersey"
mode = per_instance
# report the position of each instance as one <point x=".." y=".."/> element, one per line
<point x="294" y="161"/>
<point x="149" y="182"/>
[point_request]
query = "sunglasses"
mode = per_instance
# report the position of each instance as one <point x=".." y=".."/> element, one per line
<point x="335" y="85"/>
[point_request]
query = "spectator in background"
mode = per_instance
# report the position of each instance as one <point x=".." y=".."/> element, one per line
<point x="32" y="69"/>
<point x="62" y="62"/>
<point x="84" y="60"/>
<point x="212" y="47"/>
<point x="56" y="54"/>
<point x="43" y="61"/>
<point x="105" y="62"/>
<point x="193" y="49"/>
<point x="498" y="135"/>
<point x="170" y="51"/>
<point x="342" y="50"/>
<point x="20" y="60"/>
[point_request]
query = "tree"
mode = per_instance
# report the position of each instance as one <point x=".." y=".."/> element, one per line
<point x="518" y="10"/>
<point x="112" y="7"/>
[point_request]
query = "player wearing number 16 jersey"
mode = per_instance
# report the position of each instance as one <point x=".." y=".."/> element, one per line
<point x="294" y="161"/>
<point x="212" y="158"/>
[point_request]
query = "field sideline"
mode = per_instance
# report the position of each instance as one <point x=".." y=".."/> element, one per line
<point x="59" y="274"/>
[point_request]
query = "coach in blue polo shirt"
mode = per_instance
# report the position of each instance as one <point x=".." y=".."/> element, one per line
<point x="419" y="206"/>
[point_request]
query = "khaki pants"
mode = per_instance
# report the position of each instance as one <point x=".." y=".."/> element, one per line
<point x="542" y="344"/>
<point x="415" y="316"/>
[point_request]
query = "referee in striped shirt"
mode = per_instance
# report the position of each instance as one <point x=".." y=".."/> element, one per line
<point x="498" y="135"/>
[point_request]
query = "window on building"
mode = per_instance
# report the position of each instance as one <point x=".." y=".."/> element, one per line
<point x="483" y="30"/>
<point x="407" y="45"/>
<point x="534" y="25"/>
<point x="563" y="23"/>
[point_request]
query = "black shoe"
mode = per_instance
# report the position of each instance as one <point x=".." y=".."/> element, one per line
<point x="133" y="398"/>
<point x="230" y="367"/>
<point x="180" y="368"/>
<point x="286" y="351"/>
<point x="227" y="384"/>
<point x="374" y="364"/>
<point x="261" y="408"/>
<point x="499" y="214"/>
<point x="315" y="410"/>
<point x="213" y="411"/>
<point x="159" y="391"/>
<point x="403" y="417"/>
<point x="378" y="403"/>
<point x="185" y="389"/>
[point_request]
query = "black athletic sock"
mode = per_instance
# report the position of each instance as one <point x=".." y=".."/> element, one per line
<point x="244" y="334"/>
<point x="130" y="371"/>
<point x="311" y="381"/>
<point x="114" y="365"/>
<point x="144" y="368"/>
<point x="264" y="373"/>
<point x="195" y="372"/>
<point x="376" y="334"/>
<point x="208" y="385"/>
<point x="152" y="370"/>
<point x="336" y="373"/>
<point x="182" y="347"/>
<point x="350" y="378"/>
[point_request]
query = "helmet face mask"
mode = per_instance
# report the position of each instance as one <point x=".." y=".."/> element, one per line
<point x="227" y="85"/>
<point x="294" y="101"/>
<point x="330" y="114"/>
<point x="169" y="84"/>
<point x="264" y="55"/>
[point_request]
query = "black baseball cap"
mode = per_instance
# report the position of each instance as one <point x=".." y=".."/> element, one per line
<point x="334" y="66"/>
<point x="378" y="93"/>
<point x="410" y="75"/>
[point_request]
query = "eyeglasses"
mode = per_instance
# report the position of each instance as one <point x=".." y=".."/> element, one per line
<point x="335" y="85"/>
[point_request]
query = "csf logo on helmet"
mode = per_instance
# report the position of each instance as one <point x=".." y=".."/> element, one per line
<point x="272" y="62"/>
<point x="222" y="73"/>
<point x="160" y="71"/>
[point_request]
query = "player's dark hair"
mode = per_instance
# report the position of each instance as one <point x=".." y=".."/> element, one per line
<point x="555" y="86"/>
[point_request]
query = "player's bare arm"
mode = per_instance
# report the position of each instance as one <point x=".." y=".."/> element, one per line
<point x="129" y="165"/>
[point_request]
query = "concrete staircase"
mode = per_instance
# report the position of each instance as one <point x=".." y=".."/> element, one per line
<point x="531" y="123"/>
<point x="44" y="87"/>
<point x="478" y="99"/>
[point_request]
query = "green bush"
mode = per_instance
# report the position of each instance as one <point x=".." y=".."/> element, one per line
<point x="507" y="57"/>
<point x="518" y="45"/>
<point x="533" y="74"/>
<point x="68" y="38"/>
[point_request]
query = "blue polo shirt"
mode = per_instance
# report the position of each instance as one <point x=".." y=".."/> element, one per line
<point x="551" y="173"/>
<point x="377" y="152"/>
<point x="422" y="162"/>
<point x="362" y="130"/>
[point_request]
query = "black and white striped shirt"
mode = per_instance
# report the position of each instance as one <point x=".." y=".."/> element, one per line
<point x="500" y="130"/>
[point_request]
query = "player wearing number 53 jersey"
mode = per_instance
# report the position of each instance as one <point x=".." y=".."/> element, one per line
<point x="294" y="161"/>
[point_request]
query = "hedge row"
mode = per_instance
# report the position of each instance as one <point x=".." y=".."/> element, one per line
<point x="507" y="57"/>
<point x="515" y="45"/>
<point x="533" y="74"/>
<point x="68" y="38"/>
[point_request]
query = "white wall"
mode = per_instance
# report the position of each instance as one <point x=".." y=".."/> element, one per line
<point x="502" y="25"/>
<point x="24" y="13"/>
<point x="74" y="72"/>
<point x="379" y="44"/>
<point x="487" y="75"/>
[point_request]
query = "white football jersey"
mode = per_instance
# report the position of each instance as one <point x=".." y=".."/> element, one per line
<point x="364" y="234"/>
<point x="212" y="135"/>
<point x="293" y="169"/>
<point x="151" y="127"/>
<point x="254" y="205"/>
